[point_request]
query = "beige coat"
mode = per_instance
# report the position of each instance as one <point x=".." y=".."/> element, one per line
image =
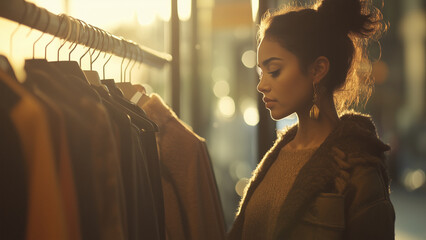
<point x="331" y="198"/>
<point x="192" y="204"/>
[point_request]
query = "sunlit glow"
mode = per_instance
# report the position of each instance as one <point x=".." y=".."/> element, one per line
<point x="249" y="59"/>
<point x="242" y="170"/>
<point x="164" y="9"/>
<point x="246" y="103"/>
<point x="254" y="9"/>
<point x="220" y="73"/>
<point x="184" y="9"/>
<point x="240" y="186"/>
<point x="221" y="88"/>
<point x="227" y="106"/>
<point x="147" y="13"/>
<point x="292" y="116"/>
<point x="414" y="179"/>
<point x="53" y="6"/>
<point x="251" y="116"/>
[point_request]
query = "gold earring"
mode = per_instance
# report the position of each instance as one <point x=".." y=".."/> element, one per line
<point x="314" y="112"/>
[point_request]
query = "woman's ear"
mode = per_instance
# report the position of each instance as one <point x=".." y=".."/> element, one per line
<point x="319" y="69"/>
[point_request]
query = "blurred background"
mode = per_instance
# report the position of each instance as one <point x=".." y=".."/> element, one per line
<point x="211" y="84"/>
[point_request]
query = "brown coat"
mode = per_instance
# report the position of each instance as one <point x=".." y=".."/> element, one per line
<point x="331" y="198"/>
<point x="191" y="200"/>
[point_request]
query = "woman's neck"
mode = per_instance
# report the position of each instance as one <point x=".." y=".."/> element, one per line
<point x="312" y="133"/>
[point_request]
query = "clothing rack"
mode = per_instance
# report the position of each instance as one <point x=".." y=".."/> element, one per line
<point x="77" y="31"/>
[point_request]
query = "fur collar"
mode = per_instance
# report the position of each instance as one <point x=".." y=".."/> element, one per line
<point x="356" y="132"/>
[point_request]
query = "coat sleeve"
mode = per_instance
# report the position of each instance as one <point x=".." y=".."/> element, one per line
<point x="370" y="212"/>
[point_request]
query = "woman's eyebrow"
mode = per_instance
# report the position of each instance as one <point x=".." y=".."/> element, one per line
<point x="267" y="61"/>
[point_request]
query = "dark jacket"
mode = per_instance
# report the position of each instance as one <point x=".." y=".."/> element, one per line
<point x="333" y="198"/>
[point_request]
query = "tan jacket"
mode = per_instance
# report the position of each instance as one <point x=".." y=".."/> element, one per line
<point x="331" y="198"/>
<point x="192" y="204"/>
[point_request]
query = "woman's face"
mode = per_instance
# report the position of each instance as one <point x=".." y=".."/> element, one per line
<point x="284" y="87"/>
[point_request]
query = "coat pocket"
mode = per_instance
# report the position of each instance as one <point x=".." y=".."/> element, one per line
<point x="324" y="218"/>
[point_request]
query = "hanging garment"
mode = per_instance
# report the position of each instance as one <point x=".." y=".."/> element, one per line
<point x="13" y="165"/>
<point x="6" y="67"/>
<point x="94" y="154"/>
<point x="140" y="168"/>
<point x="45" y="214"/>
<point x="191" y="200"/>
<point x="63" y="165"/>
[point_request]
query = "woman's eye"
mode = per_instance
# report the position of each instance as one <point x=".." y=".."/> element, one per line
<point x="275" y="73"/>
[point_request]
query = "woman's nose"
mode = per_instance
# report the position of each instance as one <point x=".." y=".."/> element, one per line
<point x="262" y="87"/>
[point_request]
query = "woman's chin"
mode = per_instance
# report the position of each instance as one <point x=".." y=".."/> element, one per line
<point x="277" y="116"/>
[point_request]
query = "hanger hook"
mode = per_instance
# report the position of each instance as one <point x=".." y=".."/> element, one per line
<point x="102" y="45"/>
<point x="42" y="34"/>
<point x="77" y="36"/>
<point x="69" y="27"/>
<point x="128" y="63"/>
<point x="79" y="24"/>
<point x="122" y="61"/>
<point x="56" y="34"/>
<point x="98" y="41"/>
<point x="113" y="45"/>
<point x="89" y="30"/>
<point x="133" y="65"/>
<point x="16" y="29"/>
<point x="141" y="54"/>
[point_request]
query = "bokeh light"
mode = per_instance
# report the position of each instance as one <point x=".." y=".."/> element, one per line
<point x="249" y="59"/>
<point x="251" y="116"/>
<point x="227" y="106"/>
<point x="184" y="9"/>
<point x="221" y="88"/>
<point x="240" y="186"/>
<point x="414" y="179"/>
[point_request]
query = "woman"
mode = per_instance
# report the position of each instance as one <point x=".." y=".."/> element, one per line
<point x="326" y="176"/>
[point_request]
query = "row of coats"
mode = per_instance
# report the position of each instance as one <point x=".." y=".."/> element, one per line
<point x="80" y="161"/>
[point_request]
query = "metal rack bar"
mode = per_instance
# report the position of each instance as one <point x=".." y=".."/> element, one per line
<point x="65" y="27"/>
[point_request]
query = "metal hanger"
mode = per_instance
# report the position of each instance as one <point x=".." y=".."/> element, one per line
<point x="87" y="43"/>
<point x="96" y="46"/>
<point x="79" y="24"/>
<point x="103" y="67"/>
<point x="16" y="30"/>
<point x="125" y="69"/>
<point x="93" y="76"/>
<point x="56" y="34"/>
<point x="131" y="69"/>
<point x="69" y="27"/>
<point x="42" y="34"/>
<point x="122" y="61"/>
<point x="102" y="47"/>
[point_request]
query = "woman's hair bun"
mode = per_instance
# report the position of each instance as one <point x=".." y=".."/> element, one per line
<point x="357" y="17"/>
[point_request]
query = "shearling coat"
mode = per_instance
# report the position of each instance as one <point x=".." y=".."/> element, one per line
<point x="332" y="197"/>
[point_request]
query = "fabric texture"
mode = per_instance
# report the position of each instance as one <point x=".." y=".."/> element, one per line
<point x="92" y="148"/>
<point x="191" y="200"/>
<point x="13" y="165"/>
<point x="46" y="217"/>
<point x="140" y="168"/>
<point x="262" y="210"/>
<point x="332" y="198"/>
<point x="63" y="165"/>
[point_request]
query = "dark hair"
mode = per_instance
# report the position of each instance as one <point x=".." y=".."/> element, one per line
<point x="337" y="29"/>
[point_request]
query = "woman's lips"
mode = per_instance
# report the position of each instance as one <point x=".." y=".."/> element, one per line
<point x="268" y="102"/>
